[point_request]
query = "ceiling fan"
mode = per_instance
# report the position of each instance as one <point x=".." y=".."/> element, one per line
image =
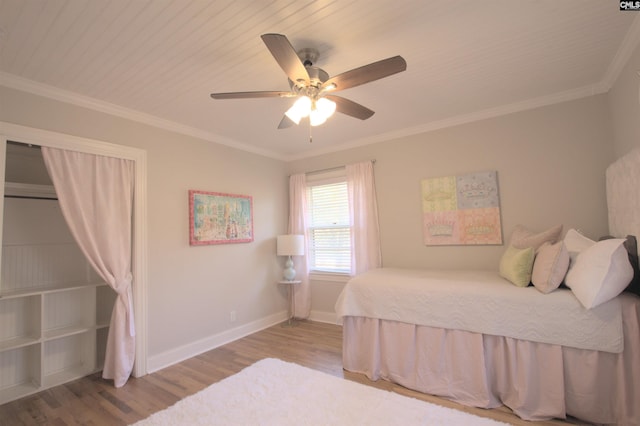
<point x="312" y="85"/>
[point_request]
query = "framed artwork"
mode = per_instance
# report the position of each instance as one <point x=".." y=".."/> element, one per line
<point x="460" y="210"/>
<point x="218" y="218"/>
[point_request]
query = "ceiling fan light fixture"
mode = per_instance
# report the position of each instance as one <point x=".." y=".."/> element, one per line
<point x="322" y="109"/>
<point x="326" y="107"/>
<point x="299" y="109"/>
<point x="316" y="118"/>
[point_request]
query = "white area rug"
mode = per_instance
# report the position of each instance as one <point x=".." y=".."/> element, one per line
<point x="274" y="392"/>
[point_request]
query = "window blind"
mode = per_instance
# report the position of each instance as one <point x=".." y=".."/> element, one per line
<point x="329" y="230"/>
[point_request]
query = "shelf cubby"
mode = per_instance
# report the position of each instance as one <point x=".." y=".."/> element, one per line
<point x="68" y="358"/>
<point x="21" y="321"/>
<point x="69" y="312"/>
<point x="20" y="372"/>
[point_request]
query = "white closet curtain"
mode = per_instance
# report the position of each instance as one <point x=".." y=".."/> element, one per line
<point x="96" y="199"/>
<point x="363" y="212"/>
<point x="298" y="225"/>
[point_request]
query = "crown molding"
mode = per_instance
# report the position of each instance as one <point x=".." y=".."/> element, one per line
<point x="628" y="45"/>
<point x="556" y="98"/>
<point x="40" y="89"/>
<point x="14" y="82"/>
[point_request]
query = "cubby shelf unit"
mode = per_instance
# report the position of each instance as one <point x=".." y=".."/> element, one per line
<point x="50" y="336"/>
<point x="54" y="310"/>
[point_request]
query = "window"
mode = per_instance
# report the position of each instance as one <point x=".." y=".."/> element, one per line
<point x="329" y="230"/>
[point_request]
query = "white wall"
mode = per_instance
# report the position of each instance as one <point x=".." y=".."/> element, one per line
<point x="550" y="163"/>
<point x="191" y="289"/>
<point x="624" y="103"/>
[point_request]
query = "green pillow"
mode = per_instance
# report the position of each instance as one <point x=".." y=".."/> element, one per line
<point x="516" y="265"/>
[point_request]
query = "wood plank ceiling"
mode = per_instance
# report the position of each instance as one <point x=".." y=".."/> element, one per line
<point x="158" y="60"/>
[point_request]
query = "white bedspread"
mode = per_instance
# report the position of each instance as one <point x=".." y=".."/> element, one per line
<point x="482" y="302"/>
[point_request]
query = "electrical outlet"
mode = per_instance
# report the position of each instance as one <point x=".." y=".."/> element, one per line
<point x="232" y="316"/>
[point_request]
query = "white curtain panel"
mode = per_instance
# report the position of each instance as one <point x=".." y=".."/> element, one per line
<point x="298" y="225"/>
<point x="96" y="199"/>
<point x="363" y="210"/>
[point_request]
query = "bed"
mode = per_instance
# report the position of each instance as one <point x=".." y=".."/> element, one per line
<point x="475" y="338"/>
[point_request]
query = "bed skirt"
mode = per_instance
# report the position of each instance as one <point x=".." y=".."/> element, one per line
<point x="537" y="381"/>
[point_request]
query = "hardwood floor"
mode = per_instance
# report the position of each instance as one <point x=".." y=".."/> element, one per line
<point x="94" y="401"/>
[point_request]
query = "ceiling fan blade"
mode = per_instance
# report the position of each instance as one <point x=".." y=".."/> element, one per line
<point x="285" y="123"/>
<point x="286" y="57"/>
<point x="353" y="109"/>
<point x="366" y="73"/>
<point x="244" y="95"/>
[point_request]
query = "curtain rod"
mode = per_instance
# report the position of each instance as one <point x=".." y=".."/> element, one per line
<point x="330" y="169"/>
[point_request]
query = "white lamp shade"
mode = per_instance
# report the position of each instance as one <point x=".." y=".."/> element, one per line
<point x="290" y="245"/>
<point x="326" y="107"/>
<point x="316" y="118"/>
<point x="299" y="109"/>
<point x="323" y="109"/>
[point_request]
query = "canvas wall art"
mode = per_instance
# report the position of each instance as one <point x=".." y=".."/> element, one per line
<point x="462" y="209"/>
<point x="218" y="218"/>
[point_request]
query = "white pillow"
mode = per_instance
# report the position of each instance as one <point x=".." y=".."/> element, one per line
<point x="600" y="272"/>
<point x="575" y="243"/>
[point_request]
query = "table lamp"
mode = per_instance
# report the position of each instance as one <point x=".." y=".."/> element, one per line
<point x="290" y="245"/>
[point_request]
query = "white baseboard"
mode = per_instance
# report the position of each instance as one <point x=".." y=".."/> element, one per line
<point x="322" y="316"/>
<point x="173" y="356"/>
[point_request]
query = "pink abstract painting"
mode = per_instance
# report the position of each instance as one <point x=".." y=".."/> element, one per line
<point x="462" y="209"/>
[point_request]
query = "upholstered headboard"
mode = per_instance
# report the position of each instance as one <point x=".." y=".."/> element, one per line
<point x="623" y="203"/>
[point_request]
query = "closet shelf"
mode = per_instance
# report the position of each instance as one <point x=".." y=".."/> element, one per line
<point x="66" y="331"/>
<point x="28" y="190"/>
<point x="18" y="391"/>
<point x="18" y="342"/>
<point x="102" y="324"/>
<point x="47" y="289"/>
<point x="64" y="376"/>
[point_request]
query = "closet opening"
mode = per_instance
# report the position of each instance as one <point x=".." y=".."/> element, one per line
<point x="57" y="308"/>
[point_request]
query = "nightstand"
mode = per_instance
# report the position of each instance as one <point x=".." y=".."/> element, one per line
<point x="291" y="322"/>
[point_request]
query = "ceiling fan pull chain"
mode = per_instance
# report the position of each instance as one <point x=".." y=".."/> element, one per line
<point x="310" y="135"/>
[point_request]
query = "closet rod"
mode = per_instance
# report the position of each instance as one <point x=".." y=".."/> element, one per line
<point x="25" y="144"/>
<point x="30" y="197"/>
